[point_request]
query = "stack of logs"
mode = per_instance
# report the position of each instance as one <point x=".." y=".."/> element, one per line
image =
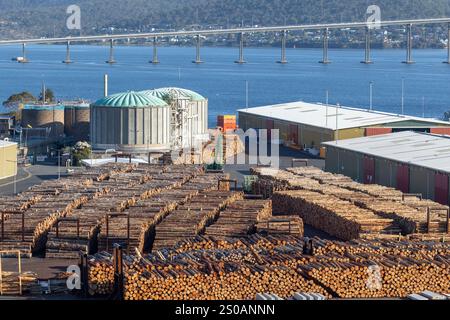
<point x="124" y="210"/>
<point x="410" y="214"/>
<point x="290" y="225"/>
<point x="14" y="284"/>
<point x="276" y="264"/>
<point x="191" y="218"/>
<point x="240" y="218"/>
<point x="336" y="217"/>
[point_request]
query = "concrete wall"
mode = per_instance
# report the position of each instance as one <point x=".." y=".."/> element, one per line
<point x="8" y="161"/>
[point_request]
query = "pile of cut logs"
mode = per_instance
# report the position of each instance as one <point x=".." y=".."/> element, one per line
<point x="100" y="223"/>
<point x="276" y="264"/>
<point x="290" y="225"/>
<point x="191" y="218"/>
<point x="337" y="217"/>
<point x="240" y="218"/>
<point x="410" y="214"/>
<point x="14" y="284"/>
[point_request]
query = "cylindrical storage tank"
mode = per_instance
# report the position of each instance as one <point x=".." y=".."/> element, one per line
<point x="77" y="121"/>
<point x="197" y="108"/>
<point x="130" y="122"/>
<point x="44" y="116"/>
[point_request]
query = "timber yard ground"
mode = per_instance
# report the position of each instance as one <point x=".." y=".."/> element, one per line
<point x="51" y="268"/>
<point x="421" y="268"/>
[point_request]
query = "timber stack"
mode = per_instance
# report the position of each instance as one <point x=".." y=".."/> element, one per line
<point x="355" y="269"/>
<point x="411" y="214"/>
<point x="289" y="225"/>
<point x="191" y="218"/>
<point x="239" y="219"/>
<point x="336" y="217"/>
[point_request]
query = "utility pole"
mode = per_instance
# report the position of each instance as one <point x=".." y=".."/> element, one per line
<point x="423" y="107"/>
<point x="59" y="164"/>
<point x="246" y="94"/>
<point x="403" y="96"/>
<point x="326" y="111"/>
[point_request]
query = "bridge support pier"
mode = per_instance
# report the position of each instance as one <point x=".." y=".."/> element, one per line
<point x="111" y="52"/>
<point x="448" y="45"/>
<point x="197" y="60"/>
<point x="409" y="45"/>
<point x="24" y="54"/>
<point x="325" y="59"/>
<point x="241" y="49"/>
<point x="155" y="51"/>
<point x="367" y="58"/>
<point x="283" y="48"/>
<point x="68" y="60"/>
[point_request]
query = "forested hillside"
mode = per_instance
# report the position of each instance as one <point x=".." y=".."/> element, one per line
<point x="48" y="17"/>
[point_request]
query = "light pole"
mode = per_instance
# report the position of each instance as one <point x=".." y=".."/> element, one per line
<point x="423" y="107"/>
<point x="246" y="94"/>
<point x="59" y="164"/>
<point x="371" y="95"/>
<point x="403" y="96"/>
<point x="326" y="106"/>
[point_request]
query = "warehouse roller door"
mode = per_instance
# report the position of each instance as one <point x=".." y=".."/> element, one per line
<point x="441" y="193"/>
<point x="369" y="170"/>
<point x="403" y="178"/>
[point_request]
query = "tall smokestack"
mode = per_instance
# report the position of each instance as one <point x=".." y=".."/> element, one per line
<point x="105" y="85"/>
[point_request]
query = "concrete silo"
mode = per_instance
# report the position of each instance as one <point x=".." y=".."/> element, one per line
<point x="130" y="122"/>
<point x="44" y="116"/>
<point x="76" y="120"/>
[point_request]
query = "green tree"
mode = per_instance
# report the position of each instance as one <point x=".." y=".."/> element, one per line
<point x="49" y="96"/>
<point x="81" y="151"/>
<point x="22" y="97"/>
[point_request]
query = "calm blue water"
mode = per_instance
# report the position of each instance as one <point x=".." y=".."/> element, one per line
<point x="223" y="82"/>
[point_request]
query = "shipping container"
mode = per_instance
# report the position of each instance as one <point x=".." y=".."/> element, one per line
<point x="441" y="193"/>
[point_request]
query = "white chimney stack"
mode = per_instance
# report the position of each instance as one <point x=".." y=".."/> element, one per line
<point x="105" y="85"/>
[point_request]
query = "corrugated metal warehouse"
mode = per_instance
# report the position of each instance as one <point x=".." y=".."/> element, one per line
<point x="412" y="162"/>
<point x="8" y="159"/>
<point x="308" y="125"/>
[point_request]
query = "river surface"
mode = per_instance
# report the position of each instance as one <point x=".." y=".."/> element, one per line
<point x="426" y="83"/>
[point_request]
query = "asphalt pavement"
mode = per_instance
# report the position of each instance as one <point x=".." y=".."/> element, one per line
<point x="29" y="176"/>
